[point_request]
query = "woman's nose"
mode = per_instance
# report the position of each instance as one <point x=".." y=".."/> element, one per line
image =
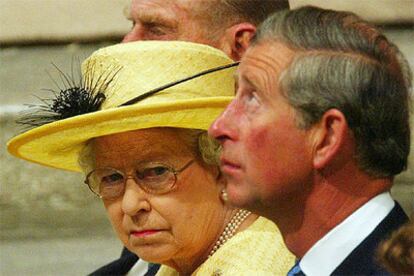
<point x="134" y="200"/>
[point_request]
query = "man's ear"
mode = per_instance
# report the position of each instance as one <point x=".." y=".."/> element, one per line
<point x="329" y="137"/>
<point x="236" y="39"/>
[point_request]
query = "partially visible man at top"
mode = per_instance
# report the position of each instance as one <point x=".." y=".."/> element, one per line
<point x="224" y="24"/>
<point x="316" y="133"/>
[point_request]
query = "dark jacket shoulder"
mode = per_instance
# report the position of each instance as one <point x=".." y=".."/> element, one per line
<point x="123" y="265"/>
<point x="362" y="260"/>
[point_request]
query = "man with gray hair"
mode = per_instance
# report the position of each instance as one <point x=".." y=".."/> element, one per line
<point x="224" y="24"/>
<point x="316" y="133"/>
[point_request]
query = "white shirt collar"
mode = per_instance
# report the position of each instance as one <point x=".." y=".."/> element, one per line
<point x="139" y="269"/>
<point x="332" y="249"/>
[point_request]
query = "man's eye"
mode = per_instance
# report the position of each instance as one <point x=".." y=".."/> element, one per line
<point x="154" y="28"/>
<point x="157" y="30"/>
<point x="112" y="178"/>
<point x="151" y="173"/>
<point x="251" y="98"/>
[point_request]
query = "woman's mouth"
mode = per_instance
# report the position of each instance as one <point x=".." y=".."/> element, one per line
<point x="144" y="233"/>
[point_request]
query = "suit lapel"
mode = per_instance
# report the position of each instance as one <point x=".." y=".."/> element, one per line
<point x="362" y="259"/>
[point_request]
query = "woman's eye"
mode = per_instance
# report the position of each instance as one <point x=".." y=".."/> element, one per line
<point x="112" y="178"/>
<point x="154" y="172"/>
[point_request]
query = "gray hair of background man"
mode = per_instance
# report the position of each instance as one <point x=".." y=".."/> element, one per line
<point x="254" y="11"/>
<point x="345" y="63"/>
<point x="219" y="13"/>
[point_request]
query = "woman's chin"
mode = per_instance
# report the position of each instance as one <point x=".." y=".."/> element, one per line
<point x="154" y="253"/>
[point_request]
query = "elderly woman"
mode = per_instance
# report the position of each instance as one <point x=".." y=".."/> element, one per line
<point x="136" y="127"/>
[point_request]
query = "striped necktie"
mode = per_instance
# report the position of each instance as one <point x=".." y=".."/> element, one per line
<point x="295" y="270"/>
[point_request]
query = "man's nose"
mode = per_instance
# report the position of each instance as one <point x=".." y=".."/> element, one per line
<point x="135" y="199"/>
<point x="135" y="34"/>
<point x="225" y="127"/>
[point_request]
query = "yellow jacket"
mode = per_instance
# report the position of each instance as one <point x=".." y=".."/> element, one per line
<point x="258" y="250"/>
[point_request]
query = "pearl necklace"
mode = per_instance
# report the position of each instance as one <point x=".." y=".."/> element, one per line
<point x="230" y="229"/>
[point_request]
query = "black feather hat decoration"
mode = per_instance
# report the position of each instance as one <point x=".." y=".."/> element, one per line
<point x="87" y="95"/>
<point x="71" y="98"/>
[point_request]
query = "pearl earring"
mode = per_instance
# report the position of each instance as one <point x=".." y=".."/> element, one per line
<point x="224" y="195"/>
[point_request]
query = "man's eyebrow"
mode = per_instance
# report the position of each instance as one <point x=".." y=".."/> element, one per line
<point x="245" y="78"/>
<point x="156" y="17"/>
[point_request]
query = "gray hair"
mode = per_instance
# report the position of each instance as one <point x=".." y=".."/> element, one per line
<point x="345" y="63"/>
<point x="219" y="14"/>
<point x="204" y="147"/>
<point x="254" y="11"/>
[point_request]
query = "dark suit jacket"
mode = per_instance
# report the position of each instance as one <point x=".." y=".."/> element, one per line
<point x="362" y="261"/>
<point x="122" y="265"/>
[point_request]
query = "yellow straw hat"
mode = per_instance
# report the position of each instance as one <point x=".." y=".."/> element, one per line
<point x="115" y="75"/>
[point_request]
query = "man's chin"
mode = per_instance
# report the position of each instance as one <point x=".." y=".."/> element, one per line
<point x="240" y="197"/>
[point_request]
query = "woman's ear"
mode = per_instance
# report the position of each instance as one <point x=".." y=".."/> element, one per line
<point x="236" y="39"/>
<point x="220" y="179"/>
<point x="221" y="184"/>
<point x="328" y="138"/>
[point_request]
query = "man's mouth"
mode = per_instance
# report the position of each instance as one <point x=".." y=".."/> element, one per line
<point x="228" y="167"/>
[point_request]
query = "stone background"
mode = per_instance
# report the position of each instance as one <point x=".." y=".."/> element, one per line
<point x="50" y="224"/>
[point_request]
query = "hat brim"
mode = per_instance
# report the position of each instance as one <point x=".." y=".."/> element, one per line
<point x="58" y="144"/>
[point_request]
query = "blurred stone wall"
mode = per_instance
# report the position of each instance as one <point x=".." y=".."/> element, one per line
<point x="377" y="11"/>
<point x="42" y="204"/>
<point x="35" y="201"/>
<point x="46" y="21"/>
<point x="38" y="202"/>
<point x="50" y="223"/>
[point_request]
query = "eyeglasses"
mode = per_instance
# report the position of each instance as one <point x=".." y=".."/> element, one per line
<point x="153" y="178"/>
